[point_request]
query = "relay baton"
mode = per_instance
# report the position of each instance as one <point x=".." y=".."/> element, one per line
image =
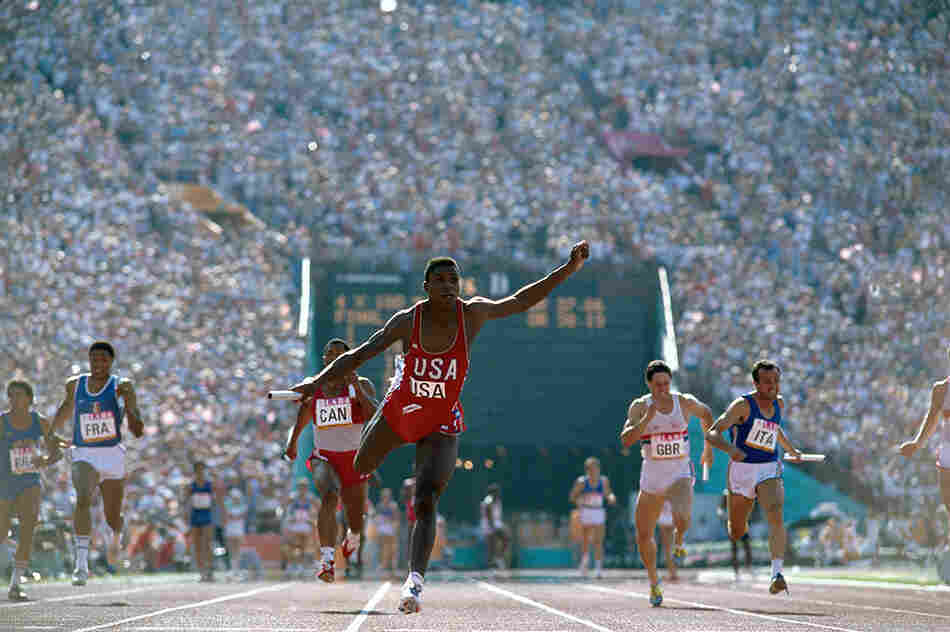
<point x="806" y="458"/>
<point x="705" y="471"/>
<point x="285" y="395"/>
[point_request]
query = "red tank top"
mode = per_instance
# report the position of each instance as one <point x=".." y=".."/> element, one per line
<point x="432" y="382"/>
<point x="337" y="421"/>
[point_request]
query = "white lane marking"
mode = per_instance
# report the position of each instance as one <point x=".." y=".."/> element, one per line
<point x="375" y="599"/>
<point x="41" y="627"/>
<point x="723" y="609"/>
<point x="530" y="602"/>
<point x="178" y="628"/>
<point x="37" y="602"/>
<point x="188" y="606"/>
<point x="717" y="577"/>
<point x="844" y="603"/>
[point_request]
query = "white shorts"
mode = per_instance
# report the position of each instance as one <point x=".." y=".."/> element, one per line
<point x="658" y="475"/>
<point x="745" y="477"/>
<point x="234" y="529"/>
<point x="108" y="461"/>
<point x="666" y="516"/>
<point x="298" y="528"/>
<point x="592" y="516"/>
<point x="943" y="455"/>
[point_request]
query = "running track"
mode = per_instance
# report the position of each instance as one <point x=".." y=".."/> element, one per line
<point x="710" y="602"/>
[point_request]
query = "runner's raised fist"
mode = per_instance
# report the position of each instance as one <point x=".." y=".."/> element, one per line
<point x="579" y="253"/>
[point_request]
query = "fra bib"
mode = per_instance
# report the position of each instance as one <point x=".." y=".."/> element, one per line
<point x="96" y="427"/>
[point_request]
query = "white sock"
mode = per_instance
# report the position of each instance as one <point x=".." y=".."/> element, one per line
<point x="17" y="574"/>
<point x="326" y="553"/>
<point x="417" y="578"/>
<point x="776" y="567"/>
<point x="82" y="553"/>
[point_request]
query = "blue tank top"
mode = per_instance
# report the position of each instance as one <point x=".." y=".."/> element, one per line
<point x="757" y="436"/>
<point x="599" y="489"/>
<point x="202" y="498"/>
<point x="97" y="419"/>
<point x="18" y="449"/>
<point x="592" y="496"/>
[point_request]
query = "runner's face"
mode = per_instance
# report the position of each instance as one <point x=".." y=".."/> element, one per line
<point x="332" y="352"/>
<point x="20" y="400"/>
<point x="593" y="471"/>
<point x="659" y="384"/>
<point x="100" y="363"/>
<point x="443" y="285"/>
<point x="767" y="386"/>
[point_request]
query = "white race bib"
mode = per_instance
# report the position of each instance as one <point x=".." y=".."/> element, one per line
<point x="97" y="427"/>
<point x="669" y="445"/>
<point x="301" y="515"/>
<point x="334" y="412"/>
<point x="201" y="500"/>
<point x="21" y="460"/>
<point x="763" y="435"/>
<point x="592" y="499"/>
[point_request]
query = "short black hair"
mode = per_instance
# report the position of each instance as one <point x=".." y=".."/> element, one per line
<point x="657" y="366"/>
<point x="21" y="384"/>
<point x="763" y="365"/>
<point x="438" y="262"/>
<point x="105" y="346"/>
<point x="336" y="341"/>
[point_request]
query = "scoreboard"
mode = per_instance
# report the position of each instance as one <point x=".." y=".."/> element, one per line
<point x="562" y="373"/>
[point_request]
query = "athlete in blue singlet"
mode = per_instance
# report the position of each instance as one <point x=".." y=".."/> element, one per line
<point x="199" y="498"/>
<point x="589" y="493"/>
<point x="92" y="401"/>
<point x="755" y="471"/>
<point x="22" y="432"/>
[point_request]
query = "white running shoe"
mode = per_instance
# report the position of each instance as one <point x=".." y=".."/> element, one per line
<point x="411" y="598"/>
<point x="80" y="576"/>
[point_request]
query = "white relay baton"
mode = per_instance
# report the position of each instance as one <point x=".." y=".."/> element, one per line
<point x="806" y="458"/>
<point x="705" y="471"/>
<point x="285" y="395"/>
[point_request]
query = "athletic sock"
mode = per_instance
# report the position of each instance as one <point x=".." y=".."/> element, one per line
<point x="326" y="553"/>
<point x="417" y="578"/>
<point x="82" y="553"/>
<point x="776" y="567"/>
<point x="18" y="571"/>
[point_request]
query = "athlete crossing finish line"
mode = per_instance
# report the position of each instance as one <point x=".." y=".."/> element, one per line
<point x="422" y="404"/>
<point x="755" y="470"/>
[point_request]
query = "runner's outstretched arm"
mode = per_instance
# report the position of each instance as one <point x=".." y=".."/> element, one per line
<point x="532" y="294"/>
<point x="734" y="415"/>
<point x="304" y="415"/>
<point x="929" y="423"/>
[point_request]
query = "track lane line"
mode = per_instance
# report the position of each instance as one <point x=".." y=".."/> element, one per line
<point x="541" y="606"/>
<point x="836" y="603"/>
<point x="364" y="613"/>
<point x="696" y="604"/>
<point x="40" y="601"/>
<point x="196" y="604"/>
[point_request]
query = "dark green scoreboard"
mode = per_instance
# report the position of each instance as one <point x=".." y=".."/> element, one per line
<point x="561" y="374"/>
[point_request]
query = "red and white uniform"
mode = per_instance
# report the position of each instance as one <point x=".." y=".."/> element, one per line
<point x="943" y="448"/>
<point x="337" y="425"/>
<point x="665" y="449"/>
<point x="424" y="395"/>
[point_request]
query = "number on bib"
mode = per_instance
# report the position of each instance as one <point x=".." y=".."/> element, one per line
<point x="97" y="427"/>
<point x="21" y="460"/>
<point x="334" y="412"/>
<point x="763" y="435"/>
<point x="201" y="500"/>
<point x="668" y="446"/>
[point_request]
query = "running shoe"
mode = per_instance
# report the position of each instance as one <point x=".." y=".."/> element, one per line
<point x="679" y="556"/>
<point x="326" y="573"/>
<point x="656" y="596"/>
<point x="16" y="593"/>
<point x="778" y="584"/>
<point x="79" y="577"/>
<point x="411" y="599"/>
<point x="350" y="543"/>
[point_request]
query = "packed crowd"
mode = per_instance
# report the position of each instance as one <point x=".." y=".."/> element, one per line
<point x="807" y="221"/>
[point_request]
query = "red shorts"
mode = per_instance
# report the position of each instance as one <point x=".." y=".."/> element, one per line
<point x="412" y="424"/>
<point x="342" y="464"/>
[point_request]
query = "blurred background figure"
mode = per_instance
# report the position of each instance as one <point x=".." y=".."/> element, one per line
<point x="493" y="529"/>
<point x="235" y="517"/>
<point x="387" y="532"/>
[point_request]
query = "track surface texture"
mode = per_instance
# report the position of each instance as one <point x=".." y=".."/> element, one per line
<point x="503" y="602"/>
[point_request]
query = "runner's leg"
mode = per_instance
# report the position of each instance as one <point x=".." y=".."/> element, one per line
<point x="113" y="490"/>
<point x="680" y="495"/>
<point x="27" y="506"/>
<point x="85" y="479"/>
<point x="378" y="439"/>
<point x="771" y="494"/>
<point x="649" y="508"/>
<point x="944" y="475"/>
<point x="354" y="506"/>
<point x="435" y="464"/>
<point x="740" y="508"/>
<point x="327" y="483"/>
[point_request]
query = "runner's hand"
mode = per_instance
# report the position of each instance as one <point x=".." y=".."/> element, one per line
<point x="291" y="452"/>
<point x="793" y="454"/>
<point x="908" y="448"/>
<point x="737" y="455"/>
<point x="611" y="499"/>
<point x="579" y="253"/>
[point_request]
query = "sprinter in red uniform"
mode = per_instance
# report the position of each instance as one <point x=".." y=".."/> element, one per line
<point x="422" y="405"/>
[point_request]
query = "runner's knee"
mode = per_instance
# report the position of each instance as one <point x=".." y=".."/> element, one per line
<point x="736" y="531"/>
